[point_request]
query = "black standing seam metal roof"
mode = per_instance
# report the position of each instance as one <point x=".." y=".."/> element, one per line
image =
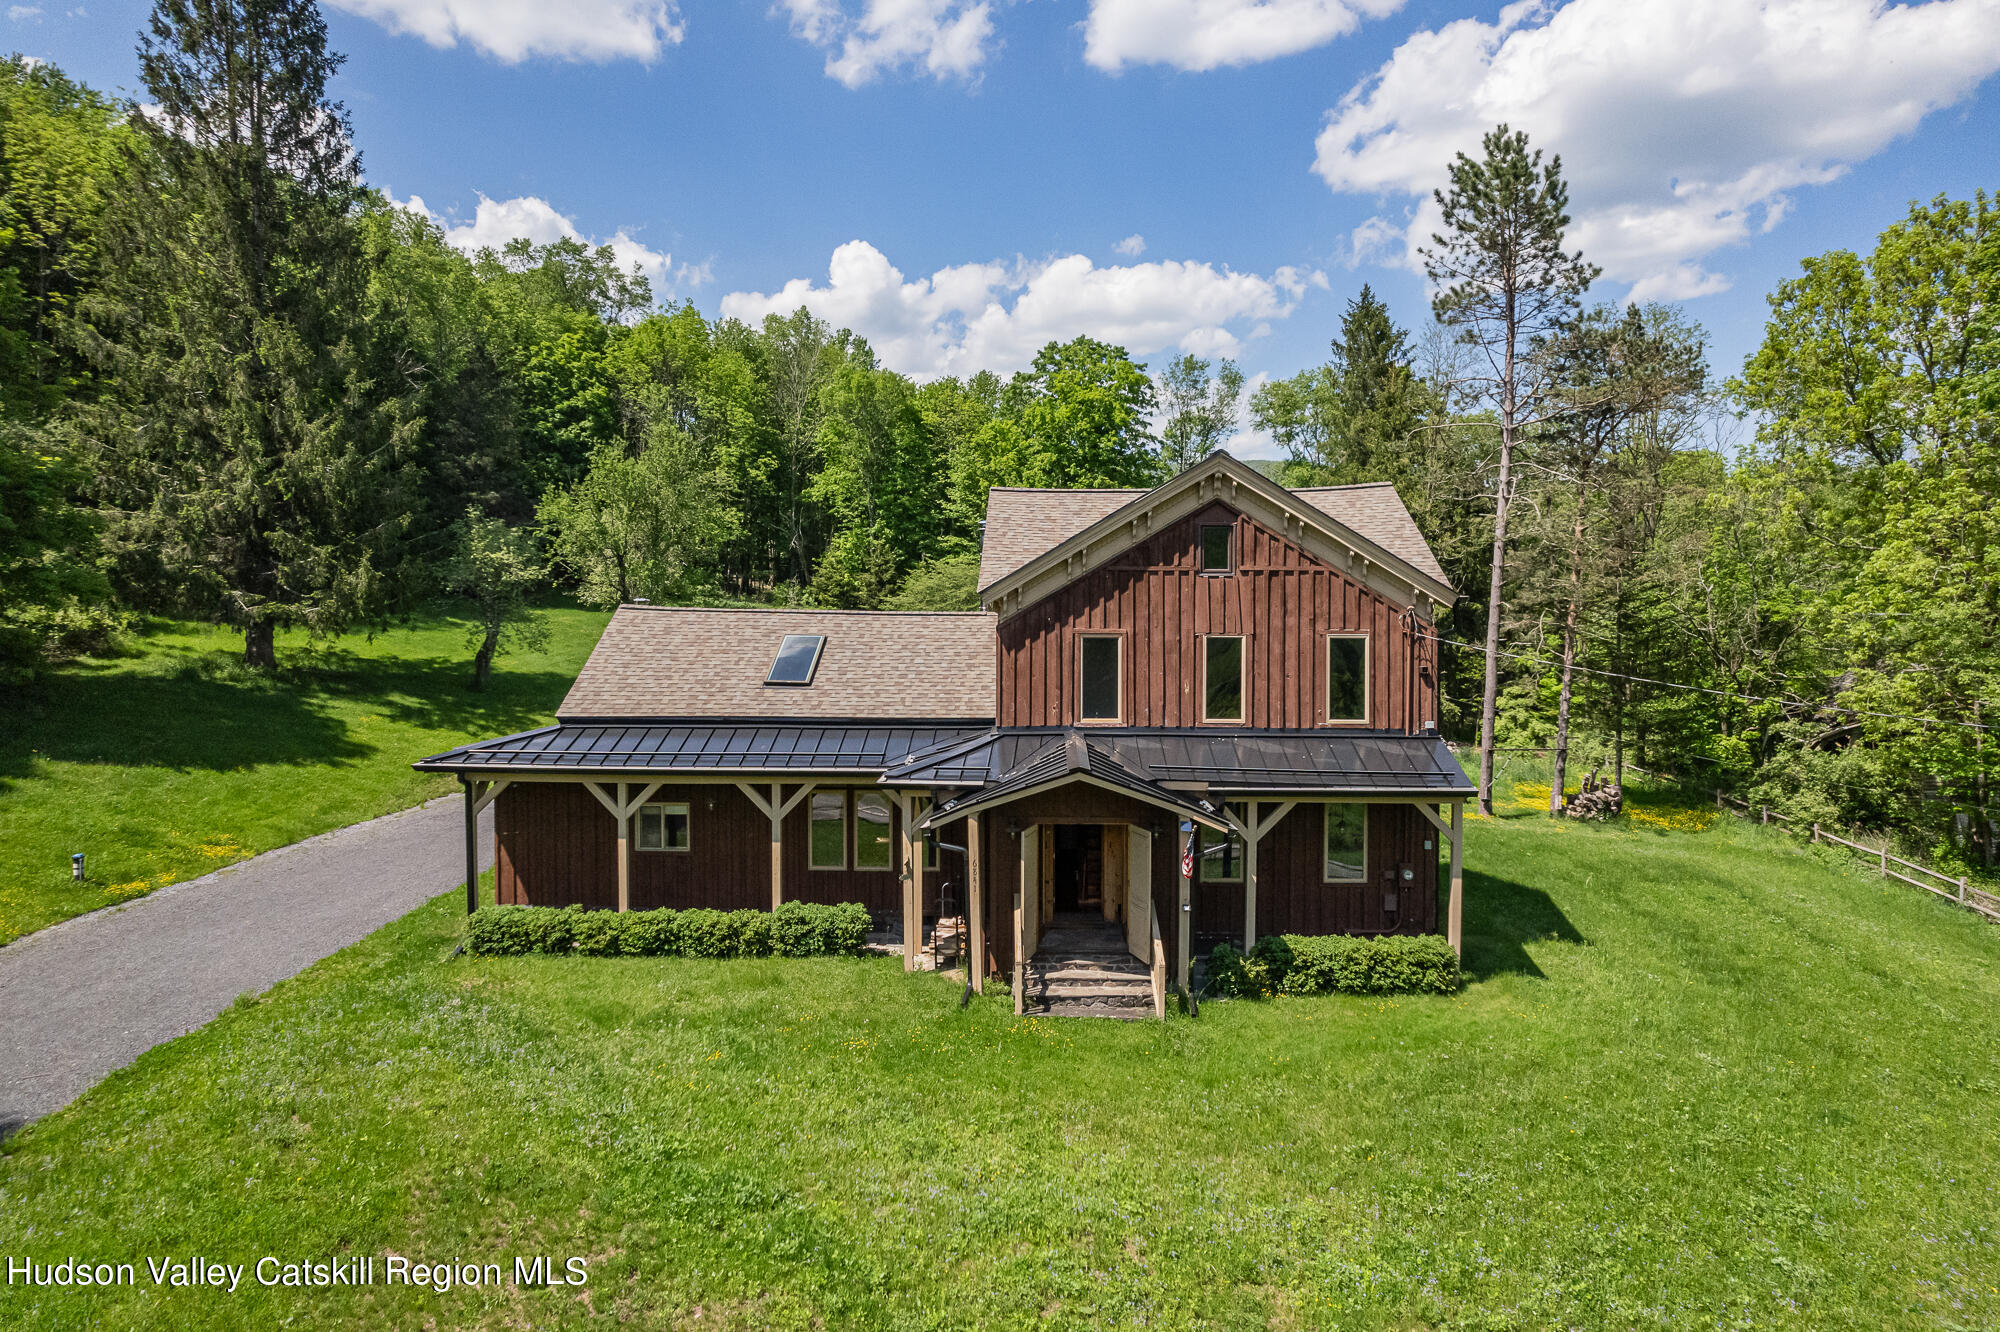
<point x="1063" y="756"/>
<point x="746" y="747"/>
<point x="1350" y="762"/>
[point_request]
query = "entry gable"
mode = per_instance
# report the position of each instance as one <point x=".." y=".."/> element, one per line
<point x="1217" y="478"/>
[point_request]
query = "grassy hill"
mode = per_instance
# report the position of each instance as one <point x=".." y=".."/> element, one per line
<point x="1702" y="1077"/>
<point x="175" y="760"/>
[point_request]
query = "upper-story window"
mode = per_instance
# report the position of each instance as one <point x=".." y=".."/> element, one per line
<point x="1217" y="547"/>
<point x="797" y="659"/>
<point x="1222" y="678"/>
<point x="1100" y="664"/>
<point x="1347" y="678"/>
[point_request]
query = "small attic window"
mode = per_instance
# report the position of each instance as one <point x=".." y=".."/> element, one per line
<point x="797" y="659"/>
<point x="1215" y="552"/>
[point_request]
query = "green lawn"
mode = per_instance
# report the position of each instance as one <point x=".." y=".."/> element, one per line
<point x="174" y="760"/>
<point x="1701" y="1078"/>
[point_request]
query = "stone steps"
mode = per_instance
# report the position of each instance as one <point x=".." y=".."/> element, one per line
<point x="1086" y="971"/>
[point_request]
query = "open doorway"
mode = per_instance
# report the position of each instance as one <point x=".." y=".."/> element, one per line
<point x="1078" y="867"/>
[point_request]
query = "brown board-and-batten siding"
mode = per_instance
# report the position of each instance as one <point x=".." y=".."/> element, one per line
<point x="1280" y="598"/>
<point x="557" y="846"/>
<point x="1293" y="896"/>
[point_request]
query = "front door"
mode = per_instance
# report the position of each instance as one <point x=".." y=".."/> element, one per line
<point x="1078" y="868"/>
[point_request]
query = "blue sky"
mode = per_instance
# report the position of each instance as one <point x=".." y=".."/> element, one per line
<point x="971" y="169"/>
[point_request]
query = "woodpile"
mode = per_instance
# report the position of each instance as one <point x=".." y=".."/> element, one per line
<point x="1597" y="799"/>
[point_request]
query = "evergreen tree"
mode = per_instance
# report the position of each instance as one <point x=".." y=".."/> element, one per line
<point x="1381" y="404"/>
<point x="254" y="473"/>
<point x="1504" y="279"/>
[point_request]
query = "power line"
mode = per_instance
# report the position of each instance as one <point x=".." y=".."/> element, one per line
<point x="1718" y="693"/>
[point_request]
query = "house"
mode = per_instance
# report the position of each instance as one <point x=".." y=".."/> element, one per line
<point x="1201" y="712"/>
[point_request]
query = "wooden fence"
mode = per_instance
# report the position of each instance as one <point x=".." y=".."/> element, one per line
<point x="1959" y="890"/>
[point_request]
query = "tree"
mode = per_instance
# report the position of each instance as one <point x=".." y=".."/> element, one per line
<point x="1308" y="419"/>
<point x="639" y="526"/>
<point x="1631" y="383"/>
<point x="497" y="569"/>
<point x="880" y="484"/>
<point x="1198" y="410"/>
<point x="253" y="472"/>
<point x="1380" y="396"/>
<point x="947" y="583"/>
<point x="1503" y="280"/>
<point x="1084" y="420"/>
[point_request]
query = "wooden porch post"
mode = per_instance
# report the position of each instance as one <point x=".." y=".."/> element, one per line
<point x="1250" y="878"/>
<point x="1183" y="944"/>
<point x="911" y="868"/>
<point x="471" y="845"/>
<point x="777" y="844"/>
<point x="624" y="849"/>
<point x="975" y="904"/>
<point x="1455" y="915"/>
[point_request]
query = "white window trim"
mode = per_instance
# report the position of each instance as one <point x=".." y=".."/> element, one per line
<point x="845" y="823"/>
<point x="1326" y="805"/>
<point x="1119" y="638"/>
<point x="1367" y="682"/>
<point x="687" y="819"/>
<point x="890" y="826"/>
<point x="1242" y="683"/>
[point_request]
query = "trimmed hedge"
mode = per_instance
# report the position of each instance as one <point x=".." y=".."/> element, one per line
<point x="795" y="929"/>
<point x="1336" y="964"/>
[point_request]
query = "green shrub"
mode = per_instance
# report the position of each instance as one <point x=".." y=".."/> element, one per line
<point x="796" y="929"/>
<point x="1300" y="964"/>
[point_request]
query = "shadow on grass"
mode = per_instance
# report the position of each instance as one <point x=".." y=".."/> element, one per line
<point x="1501" y="919"/>
<point x="202" y="711"/>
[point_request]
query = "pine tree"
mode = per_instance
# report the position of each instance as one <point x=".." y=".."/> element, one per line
<point x="253" y="472"/>
<point x="1378" y="394"/>
<point x="1504" y="280"/>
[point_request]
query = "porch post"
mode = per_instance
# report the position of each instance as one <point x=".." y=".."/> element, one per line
<point x="1183" y="944"/>
<point x="975" y="904"/>
<point x="1455" y="914"/>
<point x="624" y="850"/>
<point x="1250" y="840"/>
<point x="471" y="845"/>
<point x="777" y="844"/>
<point x="911" y="867"/>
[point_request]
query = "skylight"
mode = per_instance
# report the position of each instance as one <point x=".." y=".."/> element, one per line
<point x="797" y="659"/>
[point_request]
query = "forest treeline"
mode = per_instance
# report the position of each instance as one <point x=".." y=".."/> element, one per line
<point x="241" y="386"/>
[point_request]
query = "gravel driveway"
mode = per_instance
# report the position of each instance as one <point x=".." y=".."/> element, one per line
<point x="80" y="999"/>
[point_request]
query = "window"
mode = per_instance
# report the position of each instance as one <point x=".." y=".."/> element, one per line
<point x="1215" y="542"/>
<point x="1347" y="678"/>
<point x="663" y="827"/>
<point x="1222" y="854"/>
<point x="1346" y="843"/>
<point x="1098" y="661"/>
<point x="872" y="847"/>
<point x="797" y="659"/>
<point x="829" y="830"/>
<point x="930" y="849"/>
<point x="1221" y="678"/>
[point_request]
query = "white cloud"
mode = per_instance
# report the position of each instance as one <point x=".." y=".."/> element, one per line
<point x="1132" y="246"/>
<point x="514" y="30"/>
<point x="996" y="316"/>
<point x="1682" y="124"/>
<point x="1205" y="34"/>
<point x="16" y="13"/>
<point x="497" y="221"/>
<point x="943" y="38"/>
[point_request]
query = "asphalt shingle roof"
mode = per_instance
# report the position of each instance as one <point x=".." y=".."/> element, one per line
<point x="1021" y="523"/>
<point x="669" y="662"/>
